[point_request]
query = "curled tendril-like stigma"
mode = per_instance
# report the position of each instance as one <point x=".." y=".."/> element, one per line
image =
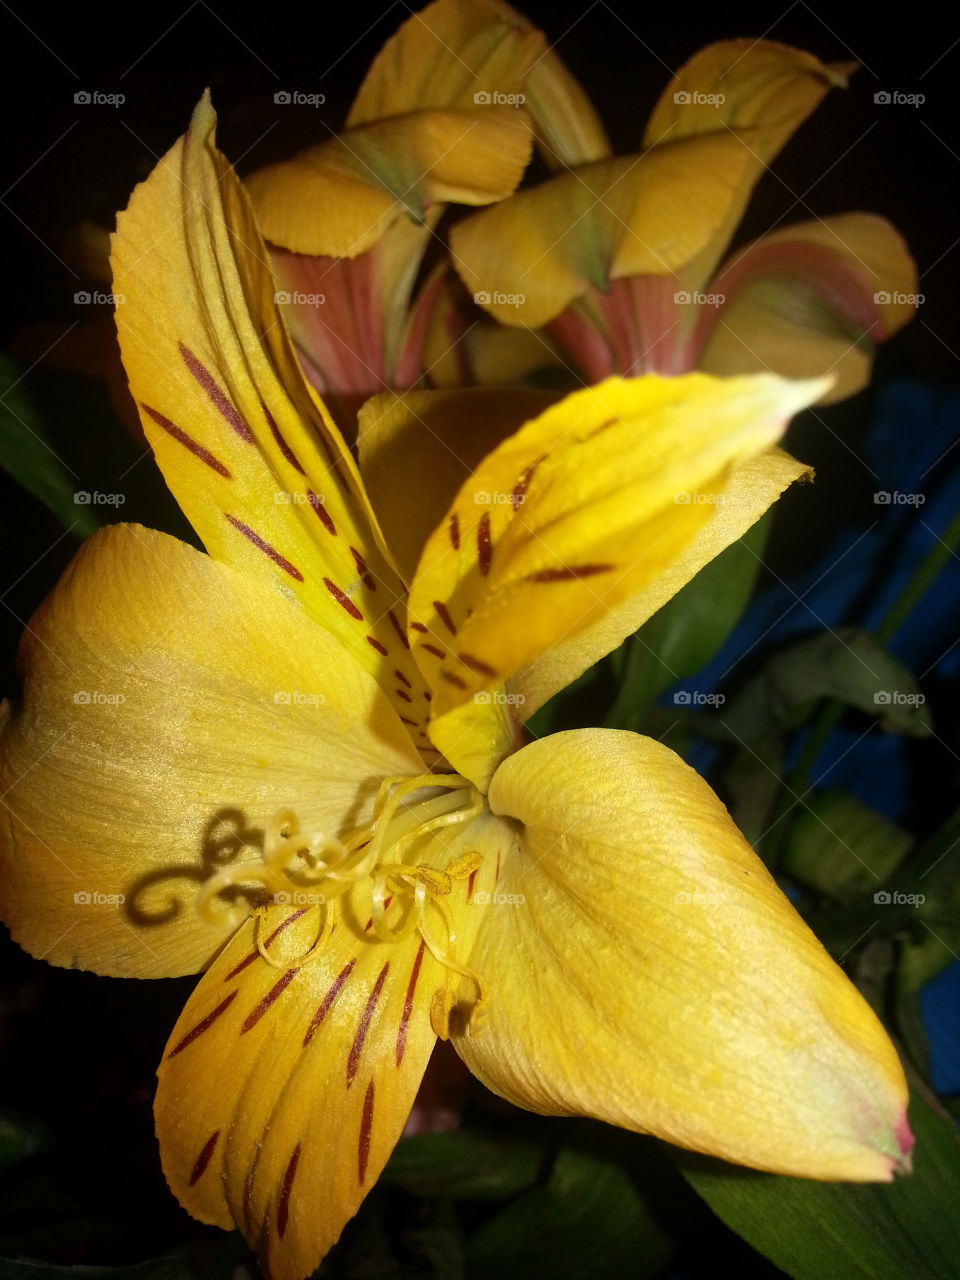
<point x="403" y="896"/>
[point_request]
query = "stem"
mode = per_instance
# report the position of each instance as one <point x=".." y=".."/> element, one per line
<point x="920" y="581"/>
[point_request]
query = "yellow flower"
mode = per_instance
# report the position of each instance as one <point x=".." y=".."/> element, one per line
<point x="350" y="220"/>
<point x="447" y="113"/>
<point x="317" y="725"/>
<point x="619" y="258"/>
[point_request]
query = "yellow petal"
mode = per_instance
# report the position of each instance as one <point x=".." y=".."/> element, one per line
<point x="569" y="131"/>
<point x="757" y="91"/>
<point x="339" y="198"/>
<point x="584" y="507"/>
<point x="442" y="435"/>
<point x="744" y="84"/>
<point x="444" y="56"/>
<point x="752" y="489"/>
<point x="813" y="298"/>
<point x="284" y="1089"/>
<point x="467" y="52"/>
<point x="351" y="318"/>
<point x="644" y="968"/>
<point x="169" y="705"/>
<point x="285" y="1085"/>
<point x="500" y="357"/>
<point x="527" y="258"/>
<point x="258" y="468"/>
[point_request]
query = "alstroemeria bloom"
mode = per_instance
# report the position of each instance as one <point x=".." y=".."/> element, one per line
<point x="618" y="257"/>
<point x="336" y="763"/>
<point x="350" y="220"/>
<point x="440" y="118"/>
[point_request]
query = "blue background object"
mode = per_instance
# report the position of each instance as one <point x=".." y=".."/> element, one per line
<point x="912" y="449"/>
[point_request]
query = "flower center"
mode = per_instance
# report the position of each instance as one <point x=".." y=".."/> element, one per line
<point x="406" y="894"/>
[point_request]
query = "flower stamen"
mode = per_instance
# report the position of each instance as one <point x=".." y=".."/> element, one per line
<point x="402" y="894"/>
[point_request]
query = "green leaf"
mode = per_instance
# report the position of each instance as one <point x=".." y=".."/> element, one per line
<point x="439" y="1243"/>
<point x="685" y="634"/>
<point x="824" y="1230"/>
<point x="28" y="455"/>
<point x="848" y="666"/>
<point x="841" y="847"/>
<point x="20" y="1136"/>
<point x="463" y="1166"/>
<point x="932" y="875"/>
<point x="752" y="783"/>
<point x="588" y="1223"/>
<point x="214" y="1263"/>
<point x="923" y="957"/>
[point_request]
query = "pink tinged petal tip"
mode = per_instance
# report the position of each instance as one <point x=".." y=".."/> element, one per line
<point x="906" y="1142"/>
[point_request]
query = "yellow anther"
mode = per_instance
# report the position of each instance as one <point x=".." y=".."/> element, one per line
<point x="441" y="1007"/>
<point x="462" y="868"/>
<point x="435" y="881"/>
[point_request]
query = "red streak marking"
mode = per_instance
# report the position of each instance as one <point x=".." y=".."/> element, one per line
<point x="283" y="1204"/>
<point x="356" y="1048"/>
<point x="404" y="720"/>
<point x="266" y="548"/>
<point x="278" y="988"/>
<point x="398" y="629"/>
<point x="401" y="694"/>
<point x="248" y="960"/>
<point x="523" y="484"/>
<point x="471" y="881"/>
<point x="375" y="644"/>
<point x="285" y="449"/>
<point x="454" y="531"/>
<point x="418" y="626"/>
<point x="476" y="664"/>
<point x="188" y="442"/>
<point x="285" y="924"/>
<point x="363" y="570"/>
<point x="444" y="615"/>
<point x="484" y="545"/>
<point x="324" y="1008"/>
<point x="215" y="394"/>
<point x="328" y="450"/>
<point x="408" y="1004"/>
<point x="432" y="648"/>
<point x="203" y="1159"/>
<point x="452" y="678"/>
<point x="322" y="513"/>
<point x="427" y="697"/>
<point x="343" y="600"/>
<point x="205" y="1024"/>
<point x="569" y="572"/>
<point x="403" y="679"/>
<point x="366" y="1125"/>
